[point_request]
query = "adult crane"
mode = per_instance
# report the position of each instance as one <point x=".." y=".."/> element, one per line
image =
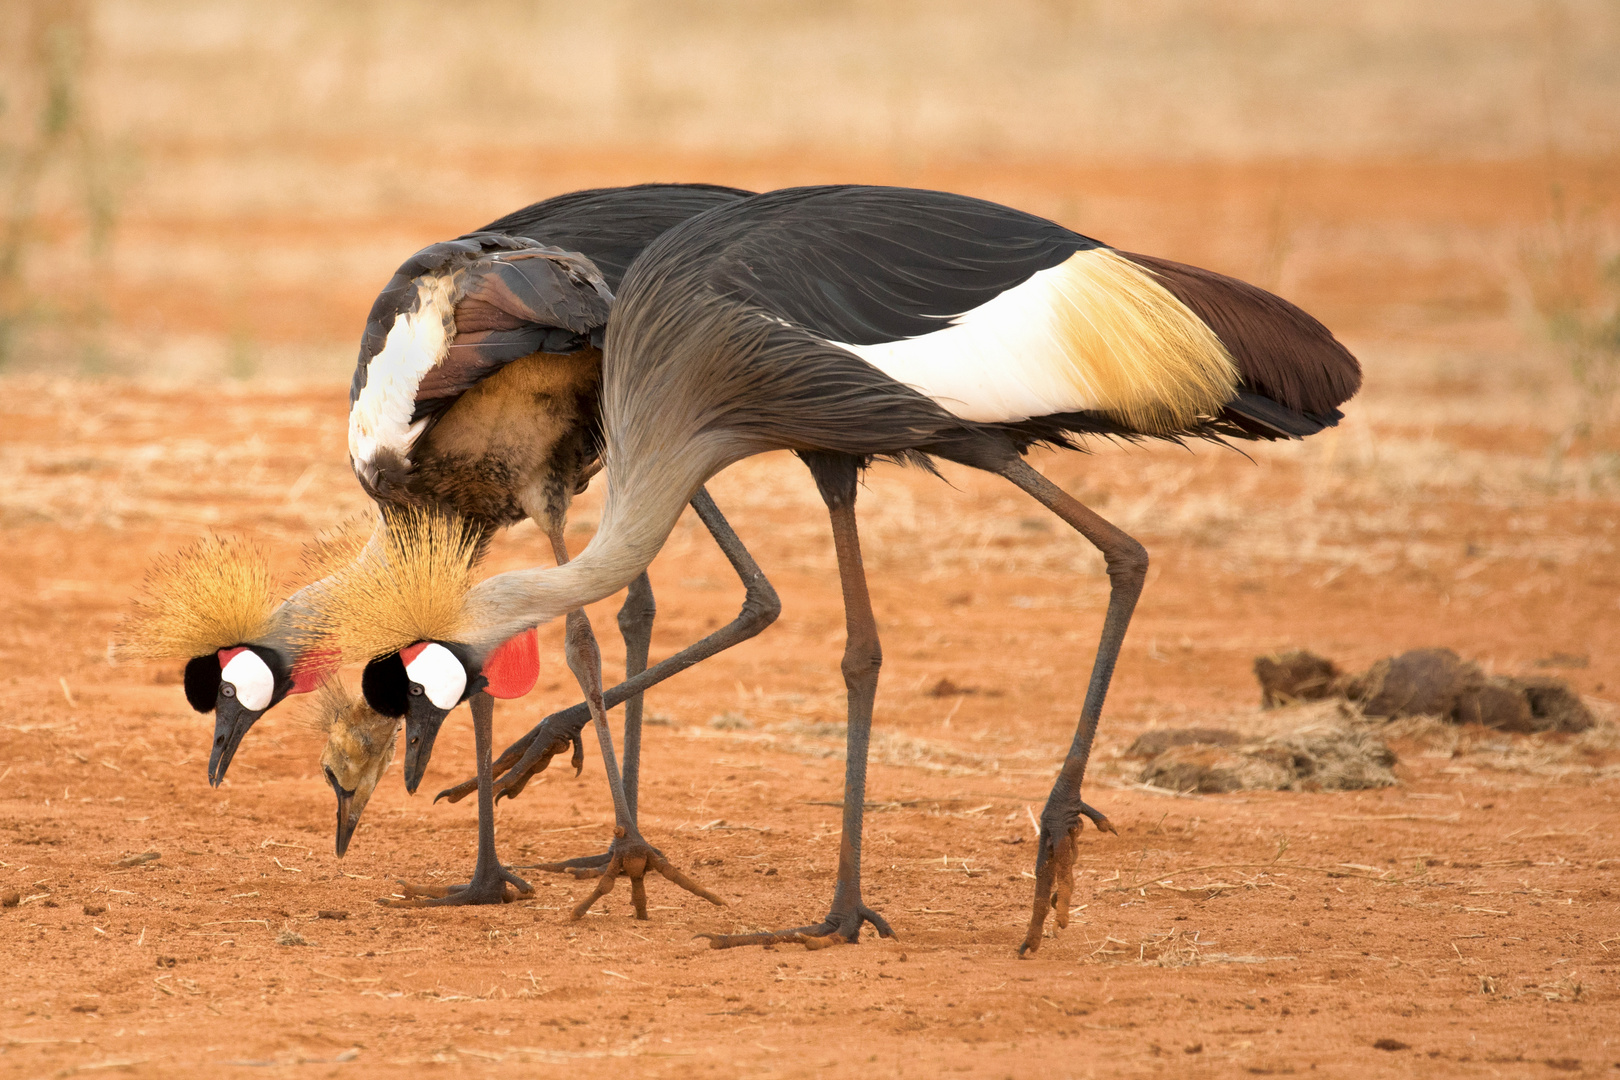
<point x="475" y="395"/>
<point x="852" y="323"/>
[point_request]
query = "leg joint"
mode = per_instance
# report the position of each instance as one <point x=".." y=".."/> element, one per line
<point x="863" y="658"/>
<point x="760" y="607"/>
<point x="639" y="610"/>
<point x="1126" y="558"/>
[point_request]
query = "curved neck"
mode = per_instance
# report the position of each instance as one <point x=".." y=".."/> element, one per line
<point x="643" y="505"/>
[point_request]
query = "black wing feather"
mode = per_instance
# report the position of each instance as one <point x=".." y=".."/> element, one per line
<point x="865" y="265"/>
<point x="611" y="226"/>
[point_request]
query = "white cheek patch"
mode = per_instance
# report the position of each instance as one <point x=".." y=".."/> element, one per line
<point x="440" y="675"/>
<point x="252" y="679"/>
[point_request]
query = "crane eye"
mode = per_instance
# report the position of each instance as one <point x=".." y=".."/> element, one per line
<point x="416" y="689"/>
<point x="227" y="690"/>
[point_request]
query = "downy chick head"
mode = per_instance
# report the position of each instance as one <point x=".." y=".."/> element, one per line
<point x="402" y="611"/>
<point x="359" y="746"/>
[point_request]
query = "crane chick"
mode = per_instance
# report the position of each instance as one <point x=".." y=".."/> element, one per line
<point x="359" y="747"/>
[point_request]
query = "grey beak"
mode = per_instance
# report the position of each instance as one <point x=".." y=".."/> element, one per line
<point x="422" y="722"/>
<point x="231" y="722"/>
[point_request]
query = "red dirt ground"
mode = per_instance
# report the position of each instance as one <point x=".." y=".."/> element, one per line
<point x="1466" y="922"/>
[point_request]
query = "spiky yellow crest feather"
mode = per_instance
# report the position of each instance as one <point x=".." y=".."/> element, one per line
<point x="329" y="707"/>
<point x="411" y="587"/>
<point x="212" y="594"/>
<point x="334" y="550"/>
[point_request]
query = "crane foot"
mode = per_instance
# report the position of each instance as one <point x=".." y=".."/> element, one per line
<point x="842" y="926"/>
<point x="1054" y="874"/>
<point x="630" y="857"/>
<point x="498" y="887"/>
<point x="530" y="758"/>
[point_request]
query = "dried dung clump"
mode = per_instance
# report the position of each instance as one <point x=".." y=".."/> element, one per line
<point x="1495" y="704"/>
<point x="1427" y="682"/>
<point x="1296" y="675"/>
<point x="1423" y="682"/>
<point x="1327" y="753"/>
<point x="1554" y="704"/>
<point x="1155" y="742"/>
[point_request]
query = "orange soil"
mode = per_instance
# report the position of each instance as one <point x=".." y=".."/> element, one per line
<point x="1471" y="915"/>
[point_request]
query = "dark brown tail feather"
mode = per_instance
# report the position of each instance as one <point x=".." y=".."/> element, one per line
<point x="1280" y="351"/>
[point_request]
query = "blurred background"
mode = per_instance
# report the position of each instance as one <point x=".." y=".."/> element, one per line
<point x="206" y="189"/>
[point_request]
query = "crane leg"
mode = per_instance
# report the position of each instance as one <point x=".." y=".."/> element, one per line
<point x="530" y="755"/>
<point x="629" y="855"/>
<point x="863" y="657"/>
<point x="491" y="882"/>
<point x="635" y="623"/>
<point x="1060" y="819"/>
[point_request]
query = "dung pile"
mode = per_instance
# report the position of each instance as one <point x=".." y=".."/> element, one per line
<point x="1426" y="682"/>
<point x="1312" y="748"/>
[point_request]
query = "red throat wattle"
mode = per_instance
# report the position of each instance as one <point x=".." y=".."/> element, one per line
<point x="513" y="668"/>
<point x="311" y="669"/>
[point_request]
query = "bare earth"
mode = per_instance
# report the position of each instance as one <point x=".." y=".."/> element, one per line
<point x="1471" y="914"/>
<point x="1465" y="922"/>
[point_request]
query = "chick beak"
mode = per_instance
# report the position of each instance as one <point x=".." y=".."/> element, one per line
<point x="348" y="815"/>
<point x="231" y="722"/>
<point x="422" y="722"/>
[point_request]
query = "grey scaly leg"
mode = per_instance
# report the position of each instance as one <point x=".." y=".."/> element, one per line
<point x="1060" y="819"/>
<point x="532" y="752"/>
<point x="863" y="657"/>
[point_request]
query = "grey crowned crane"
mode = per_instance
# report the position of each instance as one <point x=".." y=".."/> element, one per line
<point x="854" y="323"/>
<point x="475" y="396"/>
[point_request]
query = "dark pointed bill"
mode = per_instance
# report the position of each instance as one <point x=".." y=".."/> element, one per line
<point x="422" y="683"/>
<point x="245" y="687"/>
<point x="348" y="815"/>
<point x="423" y="719"/>
<point x="231" y="722"/>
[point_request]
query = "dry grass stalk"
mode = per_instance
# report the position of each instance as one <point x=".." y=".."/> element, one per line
<point x="211" y="595"/>
<point x="412" y="588"/>
<point x="290" y="936"/>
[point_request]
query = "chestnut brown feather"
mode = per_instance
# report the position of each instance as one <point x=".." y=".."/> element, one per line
<point x="1280" y="351"/>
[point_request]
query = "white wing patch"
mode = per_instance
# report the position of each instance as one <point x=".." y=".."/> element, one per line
<point x="1096" y="332"/>
<point x="418" y="342"/>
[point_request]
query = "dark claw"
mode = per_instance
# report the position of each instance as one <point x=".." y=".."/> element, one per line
<point x="1099" y="819"/>
<point x="569" y="866"/>
<point x="1054" y="874"/>
<point x="511" y="784"/>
